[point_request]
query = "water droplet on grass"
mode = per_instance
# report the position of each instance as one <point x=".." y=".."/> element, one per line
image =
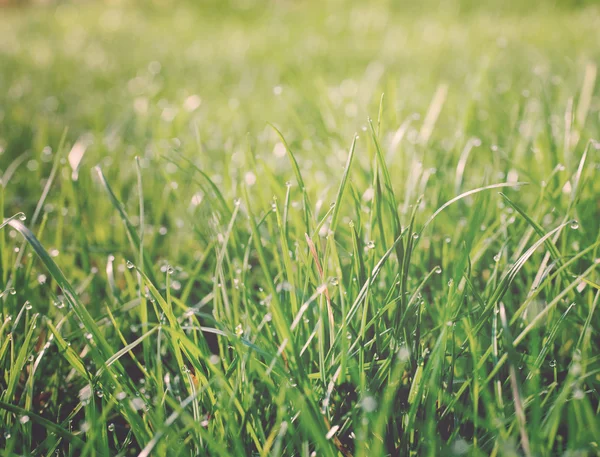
<point x="369" y="404"/>
<point x="250" y="178"/>
<point x="437" y="270"/>
<point x="111" y="427"/>
<point x="22" y="216"/>
<point x="574" y="225"/>
<point x="403" y="354"/>
<point x="130" y="264"/>
<point x="578" y="394"/>
<point x="137" y="403"/>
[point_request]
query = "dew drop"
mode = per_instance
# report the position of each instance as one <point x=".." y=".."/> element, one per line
<point x="578" y="394"/>
<point x="574" y="225"/>
<point x="111" y="427"/>
<point x="99" y="393"/>
<point x="130" y="264"/>
<point x="24" y="419"/>
<point x="415" y="235"/>
<point x="12" y="291"/>
<point x="369" y="404"/>
<point x="403" y="354"/>
<point x="497" y="257"/>
<point x="553" y="363"/>
<point x="22" y="216"/>
<point x="28" y="305"/>
<point x="437" y="270"/>
<point x="371" y="245"/>
<point x="138" y="404"/>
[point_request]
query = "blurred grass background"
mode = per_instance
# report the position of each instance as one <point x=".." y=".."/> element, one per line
<point x="121" y="71"/>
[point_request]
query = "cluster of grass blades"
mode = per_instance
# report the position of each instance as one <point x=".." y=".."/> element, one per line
<point x="179" y="287"/>
<point x="316" y="340"/>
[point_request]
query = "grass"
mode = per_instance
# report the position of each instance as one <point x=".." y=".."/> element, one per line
<point x="300" y="228"/>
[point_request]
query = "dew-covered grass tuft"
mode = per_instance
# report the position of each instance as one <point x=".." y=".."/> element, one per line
<point x="297" y="228"/>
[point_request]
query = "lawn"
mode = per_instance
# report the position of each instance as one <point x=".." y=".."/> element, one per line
<point x="300" y="228"/>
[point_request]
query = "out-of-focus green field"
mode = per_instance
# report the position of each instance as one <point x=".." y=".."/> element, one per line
<point x="299" y="228"/>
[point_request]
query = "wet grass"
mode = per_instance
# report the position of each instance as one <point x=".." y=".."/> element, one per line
<point x="299" y="229"/>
